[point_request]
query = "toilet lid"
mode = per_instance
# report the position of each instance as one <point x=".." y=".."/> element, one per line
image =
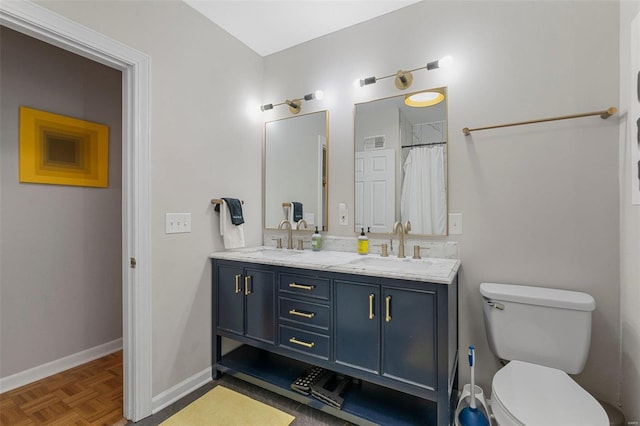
<point x="538" y="395"/>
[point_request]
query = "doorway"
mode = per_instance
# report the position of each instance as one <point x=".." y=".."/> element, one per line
<point x="42" y="24"/>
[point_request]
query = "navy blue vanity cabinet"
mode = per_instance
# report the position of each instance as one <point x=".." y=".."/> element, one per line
<point x="245" y="301"/>
<point x="397" y="338"/>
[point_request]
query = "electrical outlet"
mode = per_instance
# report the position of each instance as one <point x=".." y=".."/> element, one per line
<point x="455" y="223"/>
<point x="177" y="223"/>
<point x="343" y="214"/>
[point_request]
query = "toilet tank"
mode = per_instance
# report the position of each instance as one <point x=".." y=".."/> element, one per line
<point x="543" y="326"/>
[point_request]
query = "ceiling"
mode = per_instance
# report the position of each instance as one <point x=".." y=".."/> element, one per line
<point x="269" y="26"/>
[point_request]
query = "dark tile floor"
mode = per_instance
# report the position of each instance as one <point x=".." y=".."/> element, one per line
<point x="304" y="416"/>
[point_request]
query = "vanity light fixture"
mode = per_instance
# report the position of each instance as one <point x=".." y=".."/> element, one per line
<point x="295" y="105"/>
<point x="403" y="79"/>
<point x="423" y="99"/>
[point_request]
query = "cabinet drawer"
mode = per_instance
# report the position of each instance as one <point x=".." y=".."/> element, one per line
<point x="311" y="314"/>
<point x="305" y="286"/>
<point x="313" y="344"/>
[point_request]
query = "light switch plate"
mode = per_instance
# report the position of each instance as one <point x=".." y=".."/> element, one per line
<point x="455" y="223"/>
<point x="177" y="223"/>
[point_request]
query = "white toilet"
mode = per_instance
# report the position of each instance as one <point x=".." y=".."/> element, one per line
<point x="545" y="333"/>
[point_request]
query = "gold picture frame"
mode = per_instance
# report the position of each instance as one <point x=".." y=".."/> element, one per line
<point x="60" y="150"/>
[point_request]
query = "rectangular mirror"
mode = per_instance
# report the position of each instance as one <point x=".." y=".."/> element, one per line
<point x="401" y="163"/>
<point x="295" y="170"/>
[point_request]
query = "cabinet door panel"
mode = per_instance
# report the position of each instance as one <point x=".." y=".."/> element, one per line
<point x="230" y="299"/>
<point x="357" y="320"/>
<point x="409" y="336"/>
<point x="260" y="299"/>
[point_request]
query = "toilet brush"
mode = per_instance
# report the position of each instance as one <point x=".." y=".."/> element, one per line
<point x="471" y="416"/>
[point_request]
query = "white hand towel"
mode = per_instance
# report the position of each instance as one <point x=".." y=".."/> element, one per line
<point x="232" y="235"/>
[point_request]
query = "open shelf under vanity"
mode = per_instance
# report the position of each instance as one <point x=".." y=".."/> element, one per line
<point x="364" y="403"/>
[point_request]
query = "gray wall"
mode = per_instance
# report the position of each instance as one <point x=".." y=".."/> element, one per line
<point x="540" y="203"/>
<point x="206" y="142"/>
<point x="60" y="251"/>
<point x="629" y="233"/>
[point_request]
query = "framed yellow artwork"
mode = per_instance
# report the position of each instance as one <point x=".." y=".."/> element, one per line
<point x="60" y="150"/>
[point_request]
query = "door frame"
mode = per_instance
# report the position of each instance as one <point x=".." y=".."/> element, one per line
<point x="45" y="25"/>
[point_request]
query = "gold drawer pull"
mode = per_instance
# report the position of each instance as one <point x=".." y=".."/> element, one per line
<point x="247" y="281"/>
<point x="298" y="342"/>
<point x="388" y="317"/>
<point x="302" y="314"/>
<point x="371" y="315"/>
<point x="302" y="286"/>
<point x="238" y="290"/>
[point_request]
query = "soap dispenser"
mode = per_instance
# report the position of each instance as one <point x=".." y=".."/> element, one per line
<point x="363" y="243"/>
<point x="316" y="241"/>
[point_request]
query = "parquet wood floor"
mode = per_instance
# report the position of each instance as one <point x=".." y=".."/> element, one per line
<point x="90" y="394"/>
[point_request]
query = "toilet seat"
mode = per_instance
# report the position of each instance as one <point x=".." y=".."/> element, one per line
<point x="534" y="395"/>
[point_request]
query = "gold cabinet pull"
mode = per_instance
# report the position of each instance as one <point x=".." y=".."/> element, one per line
<point x="247" y="281"/>
<point x="298" y="342"/>
<point x="302" y="286"/>
<point x="388" y="302"/>
<point x="371" y="297"/>
<point x="238" y="289"/>
<point x="302" y="314"/>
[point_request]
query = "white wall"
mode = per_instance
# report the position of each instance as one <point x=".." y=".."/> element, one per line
<point x="629" y="232"/>
<point x="204" y="145"/>
<point x="61" y="246"/>
<point x="540" y="203"/>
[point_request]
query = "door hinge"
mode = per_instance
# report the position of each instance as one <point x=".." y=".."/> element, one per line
<point x="132" y="262"/>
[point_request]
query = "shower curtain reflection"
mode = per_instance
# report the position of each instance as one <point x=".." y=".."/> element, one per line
<point x="423" y="199"/>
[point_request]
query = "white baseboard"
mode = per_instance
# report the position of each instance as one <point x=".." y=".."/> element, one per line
<point x="50" y="368"/>
<point x="180" y="390"/>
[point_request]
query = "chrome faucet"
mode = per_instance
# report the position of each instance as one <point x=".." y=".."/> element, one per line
<point x="301" y="222"/>
<point x="400" y="229"/>
<point x="290" y="236"/>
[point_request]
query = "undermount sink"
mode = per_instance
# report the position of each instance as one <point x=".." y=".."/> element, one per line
<point x="392" y="262"/>
<point x="407" y="265"/>
<point x="273" y="253"/>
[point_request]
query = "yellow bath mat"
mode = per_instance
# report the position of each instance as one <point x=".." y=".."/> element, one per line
<point x="223" y="407"/>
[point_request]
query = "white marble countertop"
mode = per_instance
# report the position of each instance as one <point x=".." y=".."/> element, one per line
<point x="442" y="271"/>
